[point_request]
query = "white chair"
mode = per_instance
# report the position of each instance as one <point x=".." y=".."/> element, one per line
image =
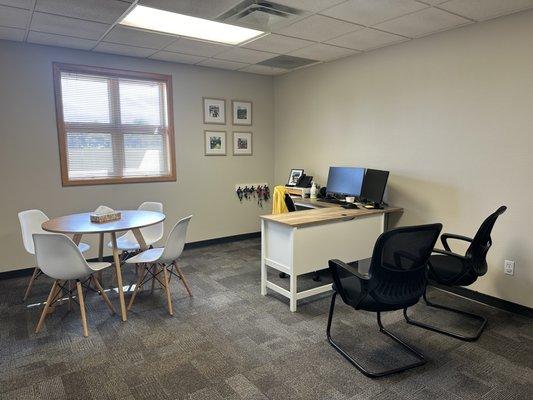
<point x="151" y="234"/>
<point x="30" y="223"/>
<point x="59" y="258"/>
<point x="163" y="260"/>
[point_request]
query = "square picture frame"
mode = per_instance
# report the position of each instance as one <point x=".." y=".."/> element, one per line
<point x="242" y="144"/>
<point x="215" y="143"/>
<point x="214" y="111"/>
<point x="242" y="112"/>
<point x="294" y="176"/>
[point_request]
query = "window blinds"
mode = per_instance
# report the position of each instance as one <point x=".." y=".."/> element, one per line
<point x="114" y="127"/>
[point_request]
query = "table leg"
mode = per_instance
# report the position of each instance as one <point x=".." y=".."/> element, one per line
<point x="294" y="292"/>
<point x="263" y="264"/>
<point x="77" y="238"/>
<point x="140" y="239"/>
<point x="101" y="257"/>
<point x="118" y="270"/>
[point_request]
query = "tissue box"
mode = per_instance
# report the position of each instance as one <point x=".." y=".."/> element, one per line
<point x="101" y="218"/>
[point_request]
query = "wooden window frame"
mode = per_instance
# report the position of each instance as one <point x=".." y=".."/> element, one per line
<point x="58" y="68"/>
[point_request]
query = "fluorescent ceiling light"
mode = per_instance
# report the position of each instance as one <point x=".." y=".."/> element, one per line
<point x="184" y="25"/>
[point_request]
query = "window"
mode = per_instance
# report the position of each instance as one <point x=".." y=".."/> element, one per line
<point x="114" y="126"/>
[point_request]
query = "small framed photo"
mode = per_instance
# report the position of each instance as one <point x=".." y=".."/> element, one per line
<point x="295" y="176"/>
<point x="215" y="143"/>
<point x="214" y="111"/>
<point x="242" y="112"/>
<point x="242" y="143"/>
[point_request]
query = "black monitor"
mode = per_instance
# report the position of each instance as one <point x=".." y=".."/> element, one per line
<point x="374" y="185"/>
<point x="345" y="181"/>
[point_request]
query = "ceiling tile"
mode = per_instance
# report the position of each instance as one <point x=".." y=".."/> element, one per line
<point x="14" y="17"/>
<point x="197" y="8"/>
<point x="12" y="34"/>
<point x="309" y="5"/>
<point x="135" y="37"/>
<point x="17" y="3"/>
<point x="61" y="41"/>
<point x="318" y="28"/>
<point x="366" y="39"/>
<point x="277" y="44"/>
<point x="480" y="10"/>
<point x="67" y="26"/>
<point x="214" y="63"/>
<point x="176" y="57"/>
<point x="124" y="50"/>
<point x="263" y="70"/>
<point x="371" y="12"/>
<point x="196" y="47"/>
<point x="422" y="23"/>
<point x="323" y="52"/>
<point x="244" y="55"/>
<point x="92" y="10"/>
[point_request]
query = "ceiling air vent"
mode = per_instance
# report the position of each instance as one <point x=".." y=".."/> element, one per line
<point x="287" y="62"/>
<point x="263" y="15"/>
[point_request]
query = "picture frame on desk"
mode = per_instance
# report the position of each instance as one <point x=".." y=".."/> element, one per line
<point x="294" y="176"/>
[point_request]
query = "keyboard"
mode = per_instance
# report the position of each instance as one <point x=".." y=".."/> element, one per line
<point x="332" y="201"/>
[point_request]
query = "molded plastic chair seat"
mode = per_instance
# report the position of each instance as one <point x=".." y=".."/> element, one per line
<point x="147" y="256"/>
<point x="98" y="266"/>
<point x="162" y="260"/>
<point x="151" y="234"/>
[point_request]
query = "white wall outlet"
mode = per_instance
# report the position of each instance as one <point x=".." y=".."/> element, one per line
<point x="508" y="267"/>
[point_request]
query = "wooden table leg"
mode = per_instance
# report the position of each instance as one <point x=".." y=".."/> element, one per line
<point x="140" y="239"/>
<point x="77" y="238"/>
<point x="101" y="257"/>
<point x="118" y="270"/>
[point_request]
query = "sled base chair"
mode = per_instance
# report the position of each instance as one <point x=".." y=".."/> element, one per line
<point x="396" y="280"/>
<point x="30" y="223"/>
<point x="162" y="261"/>
<point x="59" y="258"/>
<point x="450" y="269"/>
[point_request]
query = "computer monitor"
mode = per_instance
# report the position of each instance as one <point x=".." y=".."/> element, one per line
<point x="374" y="185"/>
<point x="345" y="181"/>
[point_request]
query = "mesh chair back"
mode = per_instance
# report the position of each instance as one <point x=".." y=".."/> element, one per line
<point x="478" y="249"/>
<point x="289" y="203"/>
<point x="399" y="261"/>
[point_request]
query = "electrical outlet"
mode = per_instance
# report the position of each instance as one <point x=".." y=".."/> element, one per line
<point x="508" y="267"/>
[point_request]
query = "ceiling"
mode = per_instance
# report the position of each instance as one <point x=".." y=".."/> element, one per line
<point x="324" y="30"/>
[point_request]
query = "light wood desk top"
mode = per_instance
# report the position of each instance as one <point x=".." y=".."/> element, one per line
<point x="325" y="212"/>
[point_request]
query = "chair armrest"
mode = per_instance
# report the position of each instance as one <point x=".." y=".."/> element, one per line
<point x="352" y="270"/>
<point x="449" y="253"/>
<point x="445" y="236"/>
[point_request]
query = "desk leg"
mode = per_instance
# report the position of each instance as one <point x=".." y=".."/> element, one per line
<point x="294" y="292"/>
<point x="116" y="258"/>
<point x="263" y="265"/>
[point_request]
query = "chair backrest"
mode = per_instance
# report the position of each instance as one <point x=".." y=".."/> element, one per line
<point x="176" y="240"/>
<point x="399" y="263"/>
<point x="59" y="257"/>
<point x="30" y="223"/>
<point x="289" y="203"/>
<point x="154" y="233"/>
<point x="476" y="253"/>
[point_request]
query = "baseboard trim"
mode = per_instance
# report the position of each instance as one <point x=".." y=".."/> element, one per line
<point x="488" y="300"/>
<point x="191" y="245"/>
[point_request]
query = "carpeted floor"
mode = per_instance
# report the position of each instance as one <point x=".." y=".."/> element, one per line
<point x="229" y="342"/>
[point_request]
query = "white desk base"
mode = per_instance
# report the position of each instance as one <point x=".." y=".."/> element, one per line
<point x="300" y="250"/>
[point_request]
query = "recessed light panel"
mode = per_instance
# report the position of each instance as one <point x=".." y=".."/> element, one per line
<point x="153" y="19"/>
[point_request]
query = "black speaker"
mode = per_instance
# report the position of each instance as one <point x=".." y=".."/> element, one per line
<point x="322" y="192"/>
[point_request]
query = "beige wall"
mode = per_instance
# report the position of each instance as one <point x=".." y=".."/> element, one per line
<point x="450" y="115"/>
<point x="29" y="157"/>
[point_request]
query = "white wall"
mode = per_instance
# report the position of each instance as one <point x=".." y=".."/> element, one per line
<point x="450" y="115"/>
<point x="29" y="155"/>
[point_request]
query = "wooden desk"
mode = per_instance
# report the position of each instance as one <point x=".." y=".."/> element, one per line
<point x="80" y="224"/>
<point x="304" y="241"/>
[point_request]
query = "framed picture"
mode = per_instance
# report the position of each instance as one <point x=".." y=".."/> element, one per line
<point x="295" y="176"/>
<point x="215" y="143"/>
<point x="242" y="143"/>
<point x="242" y="112"/>
<point x="214" y="111"/>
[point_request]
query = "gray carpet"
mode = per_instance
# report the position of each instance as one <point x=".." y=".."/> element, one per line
<point x="229" y="342"/>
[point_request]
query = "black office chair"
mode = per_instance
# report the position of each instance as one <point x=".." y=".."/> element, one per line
<point x="396" y="280"/>
<point x="451" y="269"/>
